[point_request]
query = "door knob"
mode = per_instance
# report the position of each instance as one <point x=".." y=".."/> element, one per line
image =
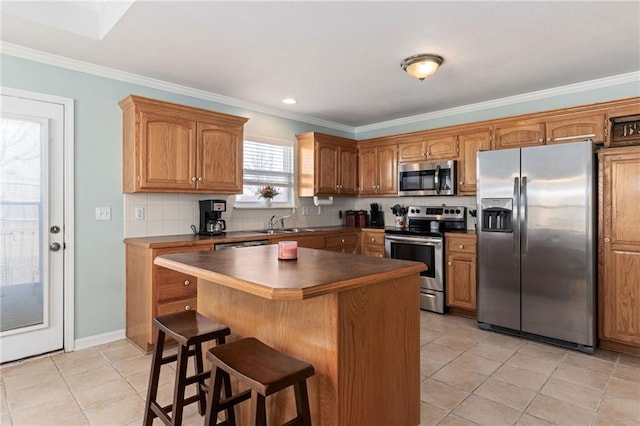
<point x="54" y="246"/>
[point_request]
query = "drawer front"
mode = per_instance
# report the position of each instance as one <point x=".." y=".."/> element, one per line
<point x="341" y="241"/>
<point x="177" y="306"/>
<point x="175" y="285"/>
<point x="370" y="237"/>
<point x="461" y="245"/>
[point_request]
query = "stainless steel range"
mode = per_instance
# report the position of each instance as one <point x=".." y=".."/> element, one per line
<point x="422" y="240"/>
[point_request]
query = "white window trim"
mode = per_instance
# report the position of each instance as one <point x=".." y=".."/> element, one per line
<point x="240" y="205"/>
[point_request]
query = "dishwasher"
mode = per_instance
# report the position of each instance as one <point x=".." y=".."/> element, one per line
<point x="240" y="244"/>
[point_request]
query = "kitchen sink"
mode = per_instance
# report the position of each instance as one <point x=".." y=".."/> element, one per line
<point x="284" y="231"/>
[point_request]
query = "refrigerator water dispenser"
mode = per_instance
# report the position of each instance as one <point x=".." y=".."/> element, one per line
<point x="497" y="214"/>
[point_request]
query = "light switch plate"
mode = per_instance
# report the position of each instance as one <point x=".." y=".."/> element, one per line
<point x="103" y="213"/>
<point x="139" y="213"/>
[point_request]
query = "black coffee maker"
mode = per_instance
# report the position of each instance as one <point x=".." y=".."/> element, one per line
<point x="210" y="213"/>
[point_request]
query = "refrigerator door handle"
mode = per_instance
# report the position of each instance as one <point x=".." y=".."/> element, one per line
<point x="523" y="217"/>
<point x="516" y="229"/>
<point x="436" y="179"/>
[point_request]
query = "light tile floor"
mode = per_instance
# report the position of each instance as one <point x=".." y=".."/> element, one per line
<point x="468" y="376"/>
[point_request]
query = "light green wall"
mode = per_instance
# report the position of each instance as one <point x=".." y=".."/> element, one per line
<point x="99" y="251"/>
<point x="620" y="91"/>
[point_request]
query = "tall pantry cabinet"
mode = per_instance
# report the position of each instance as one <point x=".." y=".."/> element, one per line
<point x="619" y="249"/>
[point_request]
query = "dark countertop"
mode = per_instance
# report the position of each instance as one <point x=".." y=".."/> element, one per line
<point x="257" y="271"/>
<point x="164" y="241"/>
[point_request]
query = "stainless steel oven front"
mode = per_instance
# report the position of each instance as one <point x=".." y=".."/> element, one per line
<point x="426" y="249"/>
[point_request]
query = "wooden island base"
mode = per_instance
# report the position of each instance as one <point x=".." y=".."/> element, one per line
<point x="356" y="319"/>
<point x="364" y="344"/>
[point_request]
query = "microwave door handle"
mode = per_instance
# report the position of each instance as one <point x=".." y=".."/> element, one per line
<point x="436" y="179"/>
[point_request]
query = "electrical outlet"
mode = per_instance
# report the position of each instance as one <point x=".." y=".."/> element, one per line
<point x="103" y="213"/>
<point x="305" y="210"/>
<point x="139" y="213"/>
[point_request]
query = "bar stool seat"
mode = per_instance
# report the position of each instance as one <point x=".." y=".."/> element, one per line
<point x="189" y="329"/>
<point x="265" y="371"/>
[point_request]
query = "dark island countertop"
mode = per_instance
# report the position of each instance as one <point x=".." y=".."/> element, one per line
<point x="257" y="270"/>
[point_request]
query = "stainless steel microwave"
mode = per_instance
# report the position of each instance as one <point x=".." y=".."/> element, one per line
<point x="427" y="178"/>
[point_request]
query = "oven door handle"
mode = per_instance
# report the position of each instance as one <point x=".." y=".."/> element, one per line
<point x="414" y="241"/>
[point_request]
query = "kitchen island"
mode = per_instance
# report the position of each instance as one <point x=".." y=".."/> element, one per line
<point x="355" y="318"/>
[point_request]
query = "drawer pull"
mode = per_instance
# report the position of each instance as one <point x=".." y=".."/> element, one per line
<point x="187" y="282"/>
<point x="187" y="308"/>
<point x="449" y="263"/>
<point x="373" y="240"/>
<point x="342" y="240"/>
<point x="460" y="246"/>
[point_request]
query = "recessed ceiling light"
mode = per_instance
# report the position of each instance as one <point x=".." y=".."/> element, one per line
<point x="289" y="101"/>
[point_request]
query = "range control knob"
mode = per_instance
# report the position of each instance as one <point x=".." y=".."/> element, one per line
<point x="458" y="211"/>
<point x="446" y="211"/>
<point x="417" y="210"/>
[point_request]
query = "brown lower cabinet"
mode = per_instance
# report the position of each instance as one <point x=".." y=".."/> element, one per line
<point x="461" y="276"/>
<point x="619" y="250"/>
<point x="372" y="242"/>
<point x="153" y="290"/>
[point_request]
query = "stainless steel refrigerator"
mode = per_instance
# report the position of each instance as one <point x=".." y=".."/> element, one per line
<point x="536" y="246"/>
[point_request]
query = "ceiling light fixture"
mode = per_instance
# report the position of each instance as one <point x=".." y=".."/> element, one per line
<point x="289" y="101"/>
<point x="421" y="66"/>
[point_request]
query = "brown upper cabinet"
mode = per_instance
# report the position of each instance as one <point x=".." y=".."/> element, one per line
<point x="327" y="165"/>
<point x="470" y="143"/>
<point x="575" y="128"/>
<point x="175" y="148"/>
<point x="378" y="170"/>
<point x="561" y="129"/>
<point x="428" y="148"/>
<point x="512" y="134"/>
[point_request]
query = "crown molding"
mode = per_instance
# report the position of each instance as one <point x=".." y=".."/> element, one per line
<point x="114" y="74"/>
<point x="106" y="72"/>
<point x="510" y="100"/>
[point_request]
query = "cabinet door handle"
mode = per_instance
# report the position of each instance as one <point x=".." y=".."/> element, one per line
<point x="449" y="263"/>
<point x="460" y="246"/>
<point x="381" y="255"/>
<point x="187" y="308"/>
<point x="200" y="179"/>
<point x="342" y="240"/>
<point x="186" y="282"/>
<point x="373" y="240"/>
<point x="548" y="139"/>
<point x="541" y="140"/>
<point x="193" y="178"/>
<point x="606" y="240"/>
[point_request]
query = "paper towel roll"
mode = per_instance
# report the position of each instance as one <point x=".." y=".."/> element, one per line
<point x="322" y="201"/>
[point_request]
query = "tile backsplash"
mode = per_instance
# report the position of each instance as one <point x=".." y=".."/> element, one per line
<point x="173" y="214"/>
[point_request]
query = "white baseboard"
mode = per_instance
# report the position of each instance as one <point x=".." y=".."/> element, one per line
<point x="99" y="339"/>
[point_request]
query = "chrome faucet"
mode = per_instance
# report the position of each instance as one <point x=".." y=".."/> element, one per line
<point x="281" y="220"/>
<point x="270" y="228"/>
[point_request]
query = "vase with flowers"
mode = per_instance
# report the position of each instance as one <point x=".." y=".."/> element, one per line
<point x="267" y="193"/>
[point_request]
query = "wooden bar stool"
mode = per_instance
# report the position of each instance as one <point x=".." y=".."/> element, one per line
<point x="265" y="371"/>
<point x="190" y="330"/>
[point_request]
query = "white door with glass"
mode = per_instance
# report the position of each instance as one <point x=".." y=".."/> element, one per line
<point x="31" y="227"/>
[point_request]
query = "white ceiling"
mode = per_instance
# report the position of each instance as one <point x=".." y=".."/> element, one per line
<point x="340" y="60"/>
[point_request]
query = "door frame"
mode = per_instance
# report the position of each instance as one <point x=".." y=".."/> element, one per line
<point x="68" y="204"/>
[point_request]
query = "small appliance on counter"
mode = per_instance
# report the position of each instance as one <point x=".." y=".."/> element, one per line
<point x="356" y="218"/>
<point x="377" y="217"/>
<point x="210" y="217"/>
